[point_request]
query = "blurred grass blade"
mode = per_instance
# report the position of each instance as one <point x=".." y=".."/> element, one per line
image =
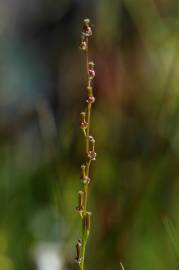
<point x="171" y="231"/>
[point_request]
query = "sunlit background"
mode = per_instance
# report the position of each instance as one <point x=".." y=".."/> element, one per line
<point x="134" y="195"/>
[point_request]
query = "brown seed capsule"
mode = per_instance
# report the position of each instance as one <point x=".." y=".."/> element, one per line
<point x="78" y="252"/>
<point x="80" y="206"/>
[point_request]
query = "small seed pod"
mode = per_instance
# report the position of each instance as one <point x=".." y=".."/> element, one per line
<point x="78" y="252"/>
<point x="86" y="32"/>
<point x="92" y="155"/>
<point x="87" y="221"/>
<point x="80" y="206"/>
<point x="83" y="123"/>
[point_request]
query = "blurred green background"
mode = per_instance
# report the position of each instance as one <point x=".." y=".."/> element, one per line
<point x="134" y="195"/>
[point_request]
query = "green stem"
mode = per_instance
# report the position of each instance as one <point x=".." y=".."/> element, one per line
<point x="85" y="228"/>
<point x="88" y="128"/>
<point x="85" y="233"/>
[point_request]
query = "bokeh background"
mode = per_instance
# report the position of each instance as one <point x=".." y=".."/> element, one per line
<point x="134" y="195"/>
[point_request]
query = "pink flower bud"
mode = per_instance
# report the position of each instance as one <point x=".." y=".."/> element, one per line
<point x="90" y="99"/>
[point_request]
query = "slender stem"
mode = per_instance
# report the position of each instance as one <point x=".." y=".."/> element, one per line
<point x="84" y="242"/>
<point x="85" y="214"/>
<point x="87" y="57"/>
<point x="89" y="105"/>
<point x="84" y="233"/>
<point x="88" y="167"/>
<point x="84" y="239"/>
<point x="88" y="128"/>
<point x="86" y="186"/>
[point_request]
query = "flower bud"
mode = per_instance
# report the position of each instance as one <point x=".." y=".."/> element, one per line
<point x="90" y="99"/>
